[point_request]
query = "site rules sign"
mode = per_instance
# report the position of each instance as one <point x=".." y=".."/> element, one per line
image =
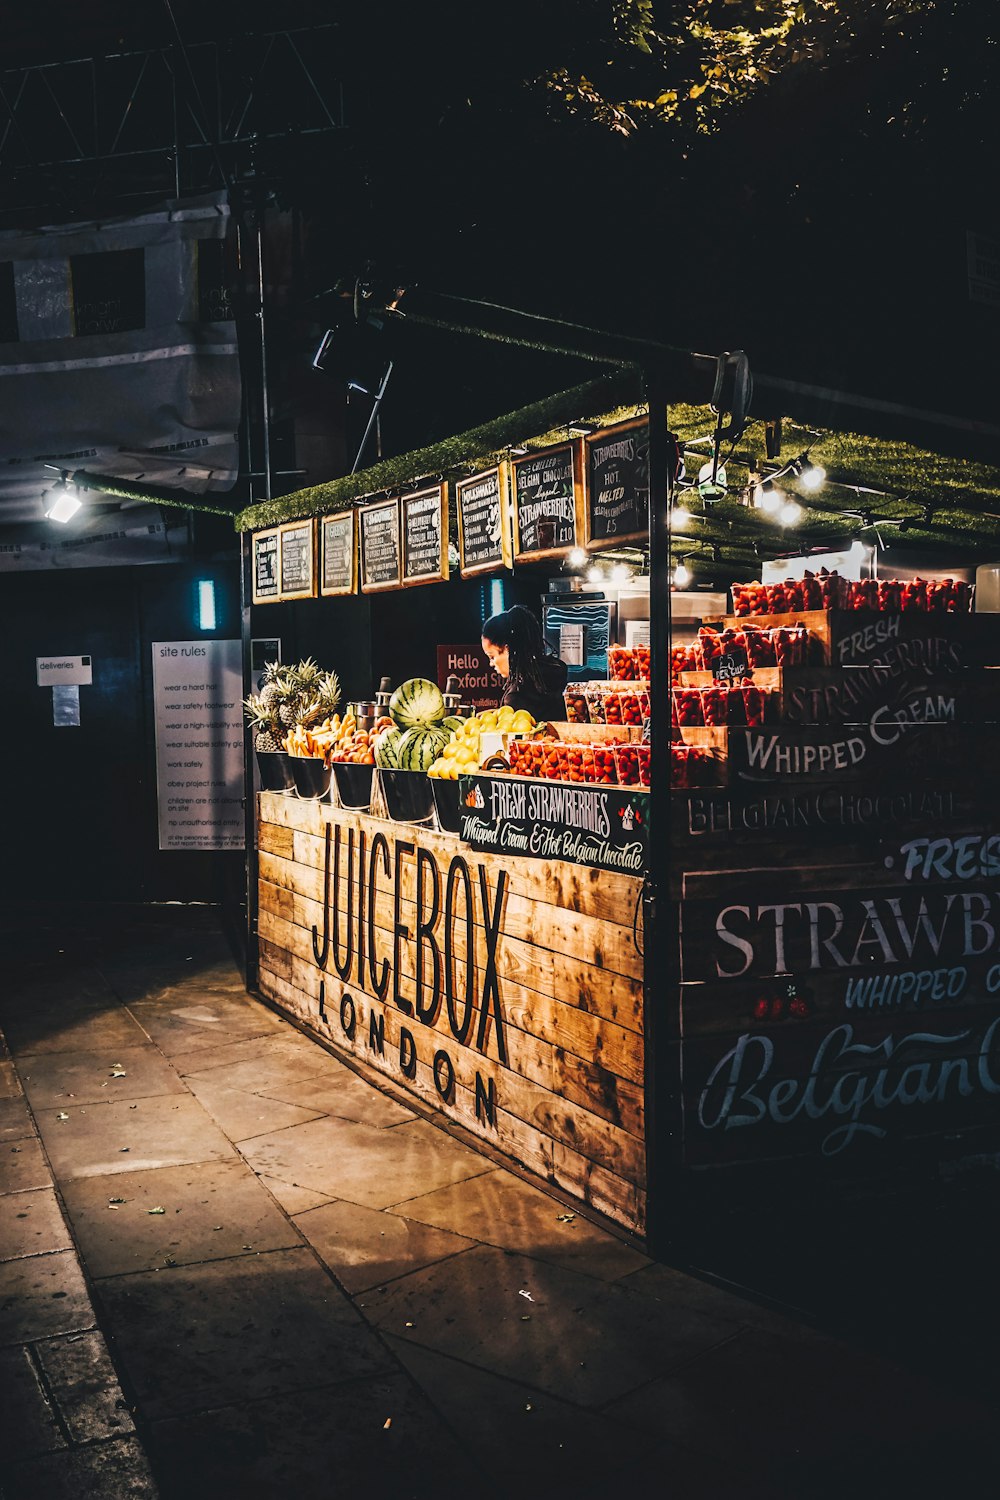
<point x="198" y="711"/>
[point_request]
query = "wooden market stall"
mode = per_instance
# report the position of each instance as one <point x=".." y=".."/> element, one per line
<point x="764" y="943"/>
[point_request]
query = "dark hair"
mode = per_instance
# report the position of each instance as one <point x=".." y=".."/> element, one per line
<point x="518" y="630"/>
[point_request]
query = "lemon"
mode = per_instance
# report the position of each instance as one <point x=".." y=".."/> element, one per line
<point x="522" y="721"/>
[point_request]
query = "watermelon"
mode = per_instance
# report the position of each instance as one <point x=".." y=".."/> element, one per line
<point x="420" y="747"/>
<point x="453" y="723"/>
<point x="387" y="749"/>
<point x="417" y="702"/>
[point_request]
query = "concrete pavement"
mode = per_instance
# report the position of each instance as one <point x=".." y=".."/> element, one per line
<point x="230" y="1266"/>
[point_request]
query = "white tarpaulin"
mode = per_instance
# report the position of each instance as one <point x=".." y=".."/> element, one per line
<point x="118" y="354"/>
<point x="140" y="534"/>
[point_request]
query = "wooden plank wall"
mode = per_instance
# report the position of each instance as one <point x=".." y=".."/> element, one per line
<point x="838" y="918"/>
<point x="505" y="993"/>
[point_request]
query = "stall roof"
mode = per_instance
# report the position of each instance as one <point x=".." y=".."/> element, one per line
<point x="880" y="489"/>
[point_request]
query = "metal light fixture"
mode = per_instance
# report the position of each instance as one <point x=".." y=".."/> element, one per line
<point x="61" y="503"/>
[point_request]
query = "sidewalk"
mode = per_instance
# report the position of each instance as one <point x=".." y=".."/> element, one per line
<point x="308" y="1289"/>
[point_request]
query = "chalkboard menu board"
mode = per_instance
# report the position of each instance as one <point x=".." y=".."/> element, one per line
<point x="484" y="522"/>
<point x="381" y="563"/>
<point x="548" y="501"/>
<point x="297" y="559"/>
<point x="617" y="483"/>
<point x="338" y="553"/>
<point x="266" y="584"/>
<point x="425" y="535"/>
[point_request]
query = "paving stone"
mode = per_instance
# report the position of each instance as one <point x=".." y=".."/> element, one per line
<point x="582" y="1340"/>
<point x="294" y="1200"/>
<point x="180" y="1026"/>
<point x="31" y="1223"/>
<point x="158" y="1132"/>
<point x="533" y="1444"/>
<point x="363" y="1164"/>
<point x="28" y="1425"/>
<point x="340" y="1091"/>
<point x="39" y="1034"/>
<point x="497" y="1208"/>
<point x="260" y="1063"/>
<point x="84" y="1386"/>
<point x="86" y="1076"/>
<point x="10" y="1085"/>
<point x="16" y="1123"/>
<point x="235" y="1330"/>
<point x="817" y="1419"/>
<point x="374" y="1440"/>
<point x="105" y="1471"/>
<point x="242" y="1114"/>
<point x="364" y="1248"/>
<point x="42" y="1295"/>
<point x="666" y="1284"/>
<point x="213" y="1210"/>
<point x="22" y="1166"/>
<point x="63" y="985"/>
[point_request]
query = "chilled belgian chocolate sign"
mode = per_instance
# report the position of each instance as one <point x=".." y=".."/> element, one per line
<point x="457" y="995"/>
<point x="603" y="827"/>
<point x="617" y="476"/>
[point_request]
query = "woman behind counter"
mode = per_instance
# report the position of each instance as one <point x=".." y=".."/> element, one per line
<point x="535" y="678"/>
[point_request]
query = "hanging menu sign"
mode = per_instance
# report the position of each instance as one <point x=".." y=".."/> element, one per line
<point x="297" y="559"/>
<point x="617" y="483"/>
<point x="548" y="501"/>
<point x="483" y="522"/>
<point x="338" y="566"/>
<point x="266" y="585"/>
<point x="425" y="535"/>
<point x="381" y="565"/>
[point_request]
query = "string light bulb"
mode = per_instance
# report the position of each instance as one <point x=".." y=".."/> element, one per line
<point x="620" y="573"/>
<point x="595" y="574"/>
<point x="790" y="513"/>
<point x="682" y="575"/>
<point x="577" y="557"/>
<point x="770" y="501"/>
<point x="680" y="518"/>
<point x="811" y="475"/>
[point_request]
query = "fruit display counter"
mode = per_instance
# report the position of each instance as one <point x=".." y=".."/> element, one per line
<point x="505" y="993"/>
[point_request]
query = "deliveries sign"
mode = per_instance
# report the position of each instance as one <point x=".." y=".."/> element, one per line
<point x="603" y="827"/>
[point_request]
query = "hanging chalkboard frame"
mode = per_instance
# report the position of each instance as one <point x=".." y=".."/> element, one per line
<point x="259" y="537"/>
<point x="575" y="449"/>
<point x="368" y="587"/>
<point x="593" y="439"/>
<point x="469" y="570"/>
<point x="347" y="518"/>
<point x="441" y="575"/>
<point x="306" y="528"/>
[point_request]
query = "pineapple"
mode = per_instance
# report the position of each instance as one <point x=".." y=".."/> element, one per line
<point x="324" y="702"/>
<point x="259" y="717"/>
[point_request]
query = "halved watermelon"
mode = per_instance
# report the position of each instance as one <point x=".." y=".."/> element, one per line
<point x="418" y="701"/>
<point x="419" y="748"/>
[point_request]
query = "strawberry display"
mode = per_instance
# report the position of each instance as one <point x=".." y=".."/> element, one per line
<point x="577" y="711"/>
<point x="828" y="590"/>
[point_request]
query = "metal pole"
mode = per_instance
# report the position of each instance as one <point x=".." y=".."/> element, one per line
<point x="660" y="967"/>
<point x="372" y="418"/>
<point x="252" y="954"/>
<point x="265" y="399"/>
